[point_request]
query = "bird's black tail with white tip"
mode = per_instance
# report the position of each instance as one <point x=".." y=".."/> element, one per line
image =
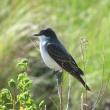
<point x="79" y="78"/>
<point x="83" y="83"/>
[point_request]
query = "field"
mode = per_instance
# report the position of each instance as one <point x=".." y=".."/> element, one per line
<point x="83" y="26"/>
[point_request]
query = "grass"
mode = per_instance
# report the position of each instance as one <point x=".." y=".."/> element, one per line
<point x="73" y="21"/>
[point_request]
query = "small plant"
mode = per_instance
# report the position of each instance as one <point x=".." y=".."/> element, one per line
<point x="17" y="96"/>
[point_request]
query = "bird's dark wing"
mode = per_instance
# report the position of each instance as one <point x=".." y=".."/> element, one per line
<point x="66" y="62"/>
<point x="63" y="58"/>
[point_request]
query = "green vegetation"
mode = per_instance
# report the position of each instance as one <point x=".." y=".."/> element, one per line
<point x="18" y="96"/>
<point x="82" y="25"/>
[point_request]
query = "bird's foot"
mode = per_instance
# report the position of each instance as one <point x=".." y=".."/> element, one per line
<point x="58" y="76"/>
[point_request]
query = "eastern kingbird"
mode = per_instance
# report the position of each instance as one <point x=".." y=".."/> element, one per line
<point x="56" y="57"/>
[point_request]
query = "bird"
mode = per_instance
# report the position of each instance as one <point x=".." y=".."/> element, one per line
<point x="56" y="56"/>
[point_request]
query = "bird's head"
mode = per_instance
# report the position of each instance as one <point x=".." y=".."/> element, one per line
<point x="48" y="33"/>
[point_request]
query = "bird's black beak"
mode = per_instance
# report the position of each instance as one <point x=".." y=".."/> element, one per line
<point x="37" y="34"/>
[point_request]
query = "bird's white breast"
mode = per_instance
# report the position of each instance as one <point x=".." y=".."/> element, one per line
<point x="46" y="57"/>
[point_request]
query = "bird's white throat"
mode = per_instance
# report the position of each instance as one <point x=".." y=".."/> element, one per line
<point x="50" y="62"/>
<point x="43" y="38"/>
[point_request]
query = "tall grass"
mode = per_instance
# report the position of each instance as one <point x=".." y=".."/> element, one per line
<point x="72" y="20"/>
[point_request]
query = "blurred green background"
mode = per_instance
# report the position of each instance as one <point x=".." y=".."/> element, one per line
<point x="83" y="26"/>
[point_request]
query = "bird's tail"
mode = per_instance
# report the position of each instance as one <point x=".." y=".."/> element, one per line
<point x="78" y="77"/>
<point x="83" y="83"/>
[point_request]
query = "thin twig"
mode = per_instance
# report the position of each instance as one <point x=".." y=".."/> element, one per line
<point x="54" y="103"/>
<point x="84" y="64"/>
<point x="59" y="92"/>
<point x="102" y="90"/>
<point x="35" y="44"/>
<point x="82" y="101"/>
<point x="45" y="107"/>
<point x="69" y="88"/>
<point x="98" y="97"/>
